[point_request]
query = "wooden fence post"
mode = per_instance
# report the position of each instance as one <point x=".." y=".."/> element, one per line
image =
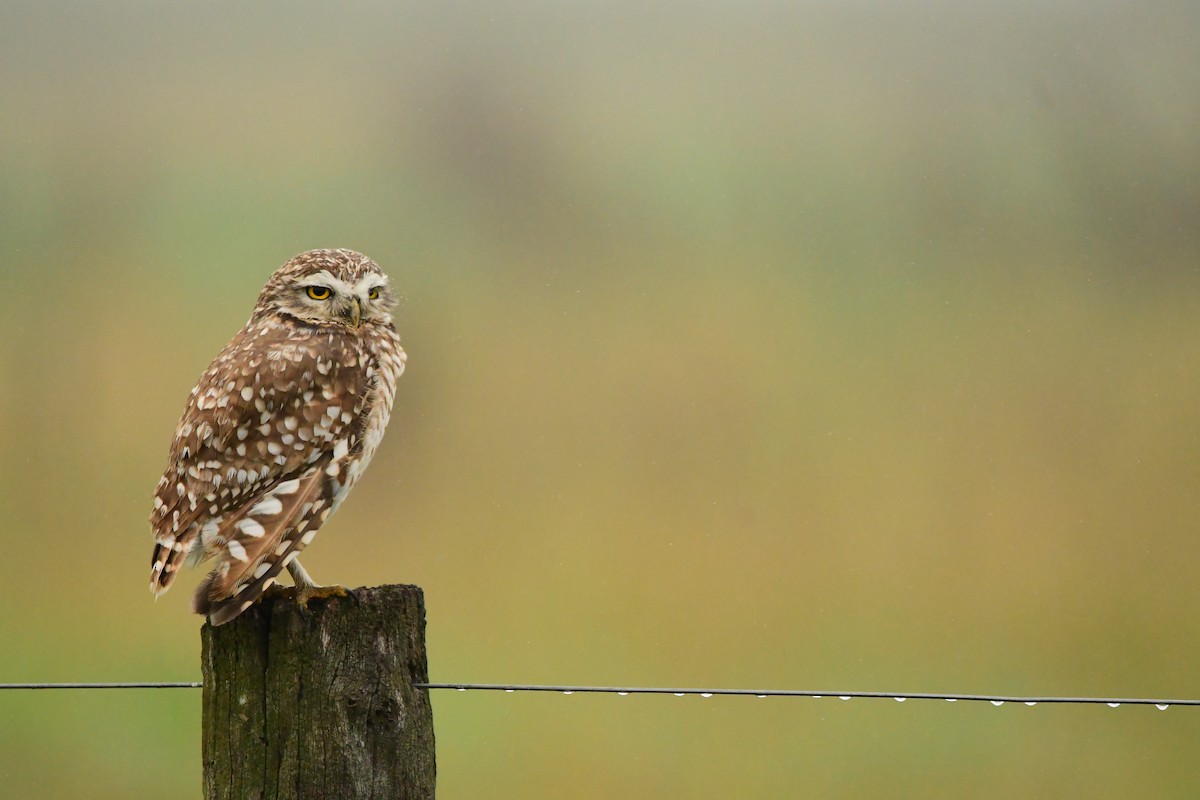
<point x="318" y="703"/>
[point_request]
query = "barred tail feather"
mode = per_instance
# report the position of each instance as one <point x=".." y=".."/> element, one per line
<point x="167" y="559"/>
<point x="176" y="533"/>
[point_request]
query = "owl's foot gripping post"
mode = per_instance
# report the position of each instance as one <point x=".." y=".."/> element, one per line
<point x="307" y="589"/>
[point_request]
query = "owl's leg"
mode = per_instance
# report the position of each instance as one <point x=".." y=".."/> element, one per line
<point x="300" y="575"/>
<point x="307" y="588"/>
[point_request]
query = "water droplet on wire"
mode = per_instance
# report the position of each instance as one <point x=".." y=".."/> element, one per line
<point x="1031" y="702"/>
<point x="706" y="694"/>
<point x="899" y="699"/>
<point x="997" y="703"/>
<point x="1162" y="706"/>
<point x="843" y="697"/>
<point x="1113" y="705"/>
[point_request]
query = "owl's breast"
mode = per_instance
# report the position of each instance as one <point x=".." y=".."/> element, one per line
<point x="385" y="365"/>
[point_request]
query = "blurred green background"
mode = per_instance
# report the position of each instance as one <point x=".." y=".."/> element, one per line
<point x="752" y="344"/>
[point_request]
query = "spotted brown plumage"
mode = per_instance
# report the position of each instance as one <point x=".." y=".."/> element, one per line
<point x="278" y="430"/>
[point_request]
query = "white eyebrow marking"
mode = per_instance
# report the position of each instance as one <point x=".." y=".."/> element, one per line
<point x="372" y="281"/>
<point x="325" y="278"/>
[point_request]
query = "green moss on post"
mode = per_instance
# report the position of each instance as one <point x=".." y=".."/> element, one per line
<point x="301" y="704"/>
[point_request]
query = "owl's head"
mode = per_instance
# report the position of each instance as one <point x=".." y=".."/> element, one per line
<point x="329" y="288"/>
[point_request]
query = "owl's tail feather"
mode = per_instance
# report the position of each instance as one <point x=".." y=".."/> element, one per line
<point x="265" y="540"/>
<point x="168" y="557"/>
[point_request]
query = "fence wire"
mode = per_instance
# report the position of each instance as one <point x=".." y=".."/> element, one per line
<point x="115" y="685"/>
<point x="994" y="699"/>
<point x="1161" y="704"/>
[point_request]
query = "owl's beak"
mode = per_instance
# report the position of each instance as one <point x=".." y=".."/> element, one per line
<point x="354" y="312"/>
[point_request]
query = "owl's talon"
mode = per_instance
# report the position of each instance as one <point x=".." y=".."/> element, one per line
<point x="306" y="593"/>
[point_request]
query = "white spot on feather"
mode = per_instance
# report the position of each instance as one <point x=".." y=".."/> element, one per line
<point x="270" y="505"/>
<point x="236" y="550"/>
<point x="250" y="527"/>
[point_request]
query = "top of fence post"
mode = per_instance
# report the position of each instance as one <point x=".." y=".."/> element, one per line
<point x="319" y="702"/>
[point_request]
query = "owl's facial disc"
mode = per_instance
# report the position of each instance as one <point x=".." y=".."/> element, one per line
<point x="327" y="298"/>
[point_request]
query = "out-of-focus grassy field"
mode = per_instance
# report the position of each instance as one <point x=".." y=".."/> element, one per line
<point x="751" y="344"/>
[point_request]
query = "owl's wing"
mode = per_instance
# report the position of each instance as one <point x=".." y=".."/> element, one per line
<point x="265" y="537"/>
<point x="265" y="413"/>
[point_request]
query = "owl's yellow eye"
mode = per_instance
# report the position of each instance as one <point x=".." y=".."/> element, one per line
<point x="318" y="292"/>
<point x="373" y="294"/>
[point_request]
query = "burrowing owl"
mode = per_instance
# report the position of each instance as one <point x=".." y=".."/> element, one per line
<point x="278" y="429"/>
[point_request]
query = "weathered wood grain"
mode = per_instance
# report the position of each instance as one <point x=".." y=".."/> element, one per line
<point x="318" y="703"/>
